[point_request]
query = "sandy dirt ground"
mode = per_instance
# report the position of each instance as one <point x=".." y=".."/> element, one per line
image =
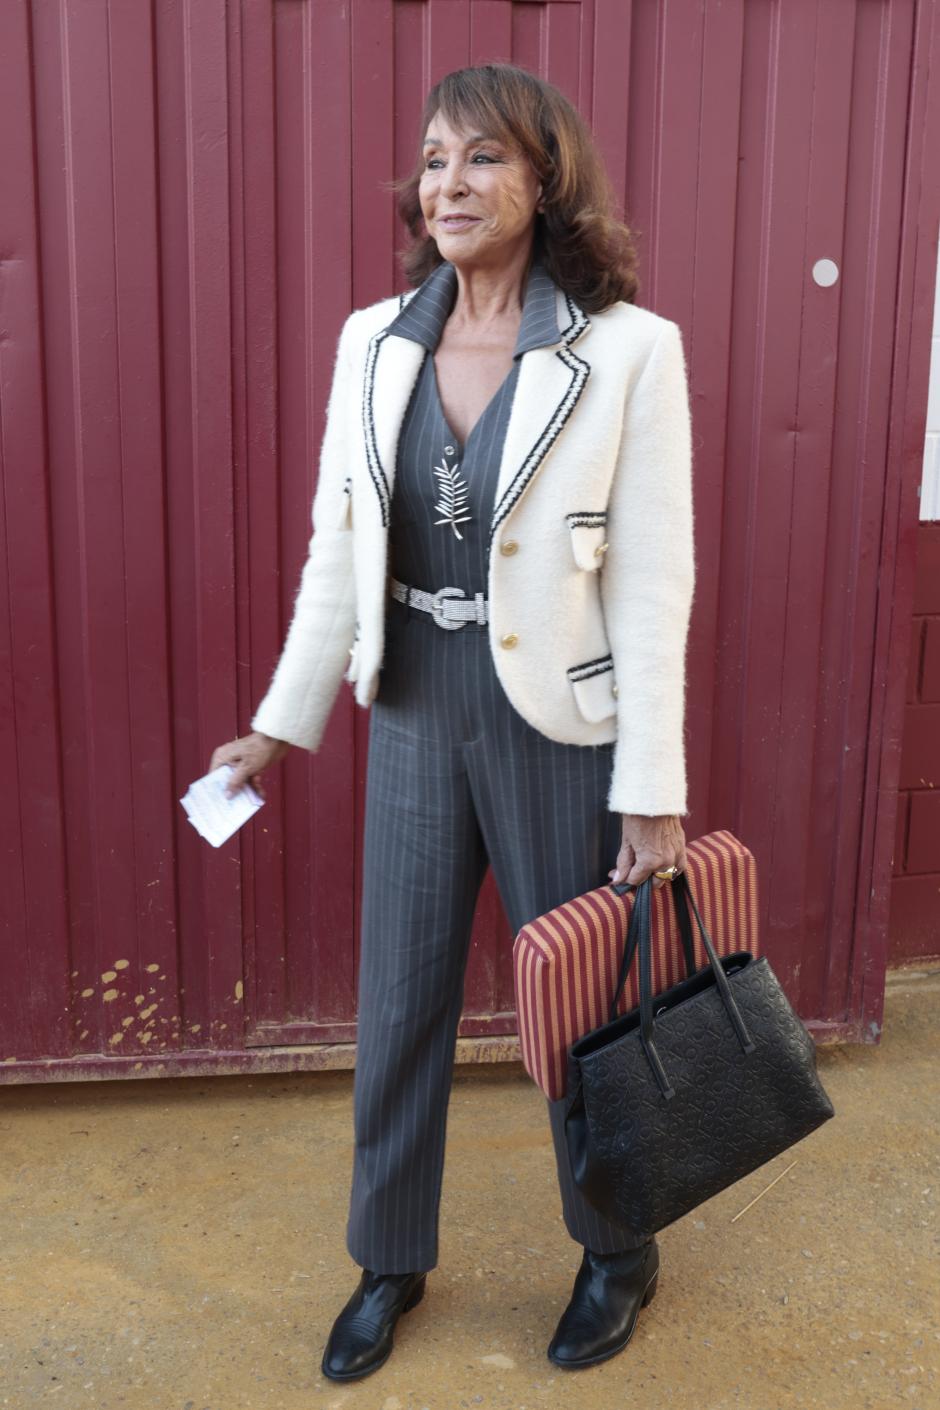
<point x="180" y="1245"/>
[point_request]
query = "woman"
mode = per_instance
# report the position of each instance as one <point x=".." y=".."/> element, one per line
<point x="502" y="533"/>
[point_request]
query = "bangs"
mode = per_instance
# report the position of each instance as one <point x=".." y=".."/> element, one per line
<point x="468" y="107"/>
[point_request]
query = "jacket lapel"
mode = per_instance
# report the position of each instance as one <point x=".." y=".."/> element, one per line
<point x="392" y="367"/>
<point x="551" y="380"/>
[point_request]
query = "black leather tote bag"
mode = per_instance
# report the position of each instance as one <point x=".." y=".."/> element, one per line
<point x="672" y="1102"/>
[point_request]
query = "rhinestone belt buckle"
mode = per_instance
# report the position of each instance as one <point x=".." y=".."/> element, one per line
<point x="437" y="608"/>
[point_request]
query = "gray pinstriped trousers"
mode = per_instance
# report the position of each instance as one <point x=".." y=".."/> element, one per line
<point x="456" y="778"/>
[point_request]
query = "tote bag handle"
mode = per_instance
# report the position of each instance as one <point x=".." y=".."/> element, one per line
<point x="639" y="937"/>
<point x="633" y="935"/>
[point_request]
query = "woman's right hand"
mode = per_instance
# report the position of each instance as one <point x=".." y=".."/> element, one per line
<point x="249" y="758"/>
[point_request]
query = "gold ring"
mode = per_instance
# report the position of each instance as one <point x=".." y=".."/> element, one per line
<point x="668" y="874"/>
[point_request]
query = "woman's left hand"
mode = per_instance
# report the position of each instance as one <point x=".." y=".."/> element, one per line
<point x="649" y="844"/>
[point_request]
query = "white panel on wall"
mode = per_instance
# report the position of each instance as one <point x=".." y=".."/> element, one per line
<point x="930" y="484"/>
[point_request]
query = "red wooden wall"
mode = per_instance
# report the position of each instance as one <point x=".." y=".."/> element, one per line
<point x="915" y="888"/>
<point x="192" y="201"/>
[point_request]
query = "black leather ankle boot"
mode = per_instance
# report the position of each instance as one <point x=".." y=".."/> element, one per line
<point x="361" y="1338"/>
<point x="609" y="1290"/>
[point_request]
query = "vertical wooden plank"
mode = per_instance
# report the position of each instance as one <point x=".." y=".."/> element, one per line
<point x="643" y="84"/>
<point x="490" y="32"/>
<point x="704" y="311"/>
<point x="585" y="59"/>
<point x="34" y="957"/>
<point x="811" y="760"/>
<point x="611" y="64"/>
<point x="325" y="970"/>
<point x="665" y="87"/>
<point x="564" y="49"/>
<point x="856" y="507"/>
<point x="111" y="653"/>
<point x="295" y="197"/>
<point x="261" y="573"/>
<point x="528" y="36"/>
<point x="765" y="358"/>
<point x="88" y="518"/>
<point x="192" y="65"/>
<point x="413" y="78"/>
<point x="447" y="38"/>
<point x="373" y="100"/>
<point x="153" y="938"/>
<point x="916" y="285"/>
<point x="186" y="669"/>
<point x="271" y="539"/>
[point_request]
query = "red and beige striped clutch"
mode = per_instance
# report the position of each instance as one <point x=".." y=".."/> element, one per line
<point x="566" y="962"/>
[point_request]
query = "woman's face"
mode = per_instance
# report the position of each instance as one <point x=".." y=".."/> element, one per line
<point x="478" y="196"/>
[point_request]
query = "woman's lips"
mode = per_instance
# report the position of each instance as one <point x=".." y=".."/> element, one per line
<point x="458" y="222"/>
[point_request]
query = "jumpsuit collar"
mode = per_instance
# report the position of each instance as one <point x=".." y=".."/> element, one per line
<point x="423" y="317"/>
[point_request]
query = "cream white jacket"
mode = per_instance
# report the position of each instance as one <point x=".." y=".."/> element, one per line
<point x="591" y="554"/>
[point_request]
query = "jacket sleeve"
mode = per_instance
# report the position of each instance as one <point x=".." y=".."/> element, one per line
<point x="310" y="669"/>
<point x="647" y="584"/>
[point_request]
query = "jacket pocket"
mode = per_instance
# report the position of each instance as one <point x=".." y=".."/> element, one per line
<point x="588" y="532"/>
<point x="594" y="687"/>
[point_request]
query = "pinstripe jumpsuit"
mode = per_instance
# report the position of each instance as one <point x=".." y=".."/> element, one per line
<point x="456" y="778"/>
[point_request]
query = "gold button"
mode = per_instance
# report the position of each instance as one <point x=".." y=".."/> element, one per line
<point x="508" y="546"/>
<point x="510" y="639"/>
<point x="615" y="690"/>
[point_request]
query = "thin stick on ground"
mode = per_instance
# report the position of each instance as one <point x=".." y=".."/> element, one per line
<point x="763" y="1192"/>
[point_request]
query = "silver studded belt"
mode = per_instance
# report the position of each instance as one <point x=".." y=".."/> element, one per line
<point x="449" y="606"/>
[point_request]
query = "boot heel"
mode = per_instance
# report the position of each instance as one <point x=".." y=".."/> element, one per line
<point x="416" y="1296"/>
<point x="650" y="1292"/>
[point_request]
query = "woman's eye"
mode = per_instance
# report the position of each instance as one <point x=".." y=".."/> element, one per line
<point x="433" y="162"/>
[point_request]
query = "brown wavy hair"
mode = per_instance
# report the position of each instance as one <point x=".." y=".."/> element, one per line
<point x="587" y="251"/>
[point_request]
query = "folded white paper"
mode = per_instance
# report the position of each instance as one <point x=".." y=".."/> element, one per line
<point x="215" y="815"/>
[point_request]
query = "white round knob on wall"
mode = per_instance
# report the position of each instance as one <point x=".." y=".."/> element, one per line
<point x="825" y="272"/>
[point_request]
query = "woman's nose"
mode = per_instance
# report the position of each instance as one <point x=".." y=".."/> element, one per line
<point x="454" y="180"/>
